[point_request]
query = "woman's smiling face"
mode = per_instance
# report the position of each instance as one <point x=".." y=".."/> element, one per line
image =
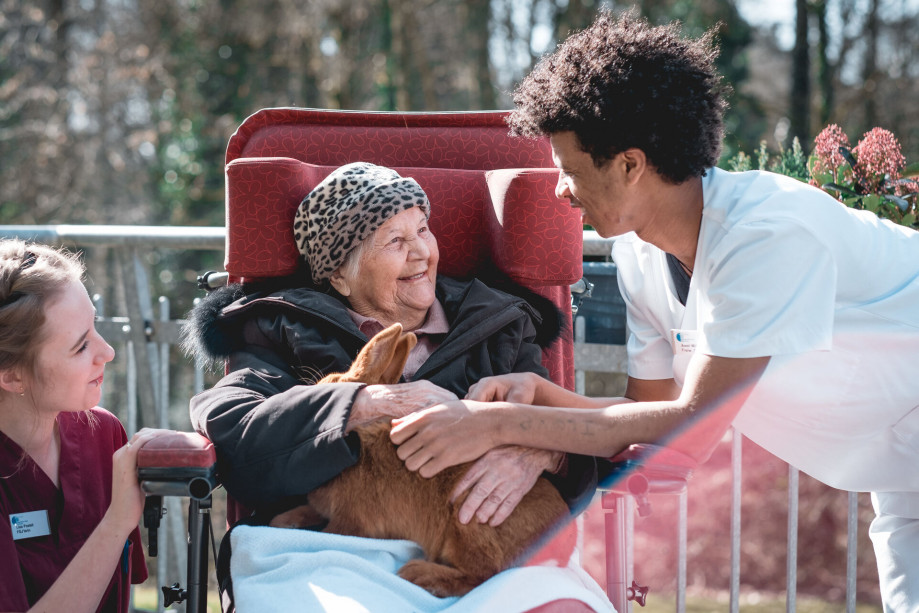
<point x="71" y="360"/>
<point x="395" y="276"/>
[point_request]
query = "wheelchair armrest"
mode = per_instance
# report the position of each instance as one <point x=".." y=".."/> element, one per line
<point x="649" y="469"/>
<point x="178" y="464"/>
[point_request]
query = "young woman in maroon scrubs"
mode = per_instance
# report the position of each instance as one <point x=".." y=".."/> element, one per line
<point x="69" y="497"/>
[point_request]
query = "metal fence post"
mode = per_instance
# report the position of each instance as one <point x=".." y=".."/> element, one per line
<point x="851" y="550"/>
<point x="736" y="458"/>
<point x="580" y="327"/>
<point x="140" y="313"/>
<point x="791" y="573"/>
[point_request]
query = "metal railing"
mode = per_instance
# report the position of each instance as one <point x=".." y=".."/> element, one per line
<point x="149" y="339"/>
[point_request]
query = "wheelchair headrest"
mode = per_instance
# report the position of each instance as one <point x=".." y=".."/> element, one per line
<point x="509" y="217"/>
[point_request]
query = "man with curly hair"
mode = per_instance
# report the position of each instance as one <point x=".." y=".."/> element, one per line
<point x="753" y="299"/>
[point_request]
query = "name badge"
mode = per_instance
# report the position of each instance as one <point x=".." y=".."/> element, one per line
<point x="683" y="341"/>
<point x="29" y="525"/>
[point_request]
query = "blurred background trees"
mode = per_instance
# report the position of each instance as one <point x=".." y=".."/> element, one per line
<point x="119" y="111"/>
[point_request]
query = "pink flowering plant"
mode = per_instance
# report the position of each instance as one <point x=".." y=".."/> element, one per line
<point x="872" y="175"/>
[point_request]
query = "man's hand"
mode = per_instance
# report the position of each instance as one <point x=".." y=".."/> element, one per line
<point x="499" y="480"/>
<point x="445" y="435"/>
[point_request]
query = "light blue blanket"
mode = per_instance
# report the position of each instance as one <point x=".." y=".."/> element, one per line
<point x="275" y="569"/>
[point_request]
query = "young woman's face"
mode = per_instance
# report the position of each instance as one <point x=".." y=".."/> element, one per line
<point x="394" y="281"/>
<point x="72" y="357"/>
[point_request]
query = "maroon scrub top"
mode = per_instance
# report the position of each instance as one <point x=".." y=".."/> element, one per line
<point x="28" y="567"/>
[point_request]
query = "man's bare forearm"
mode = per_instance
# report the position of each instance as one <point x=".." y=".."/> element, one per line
<point x="549" y="394"/>
<point x="693" y="423"/>
<point x="601" y="432"/>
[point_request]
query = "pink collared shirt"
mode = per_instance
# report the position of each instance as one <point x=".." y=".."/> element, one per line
<point x="429" y="335"/>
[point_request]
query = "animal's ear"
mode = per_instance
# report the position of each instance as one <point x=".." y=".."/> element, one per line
<point x="375" y="358"/>
<point x="400" y="352"/>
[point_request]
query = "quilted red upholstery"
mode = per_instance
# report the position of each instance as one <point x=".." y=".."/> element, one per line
<point x="492" y="196"/>
<point x="469" y="141"/>
<point x="510" y="217"/>
<point x="263" y="195"/>
<point x="534" y="237"/>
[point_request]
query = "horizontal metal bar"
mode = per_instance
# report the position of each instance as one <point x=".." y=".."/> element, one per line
<point x="118" y="329"/>
<point x="594" y="244"/>
<point x="179" y="237"/>
<point x="600" y="358"/>
<point x="198" y="488"/>
<point x="168" y="237"/>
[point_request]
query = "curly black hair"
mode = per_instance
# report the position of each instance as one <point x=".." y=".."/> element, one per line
<point x="622" y="83"/>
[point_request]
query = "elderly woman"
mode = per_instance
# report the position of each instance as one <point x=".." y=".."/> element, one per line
<point x="370" y="260"/>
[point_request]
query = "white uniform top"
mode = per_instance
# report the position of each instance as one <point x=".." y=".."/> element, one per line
<point x="832" y="294"/>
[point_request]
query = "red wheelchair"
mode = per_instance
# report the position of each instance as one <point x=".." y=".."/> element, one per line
<point x="493" y="204"/>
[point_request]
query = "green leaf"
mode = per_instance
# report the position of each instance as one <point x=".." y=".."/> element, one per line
<point x="872" y="202"/>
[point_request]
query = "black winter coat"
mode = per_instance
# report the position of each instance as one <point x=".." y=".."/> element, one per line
<point x="279" y="436"/>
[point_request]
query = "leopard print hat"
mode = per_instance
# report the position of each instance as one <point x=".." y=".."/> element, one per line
<point x="347" y="207"/>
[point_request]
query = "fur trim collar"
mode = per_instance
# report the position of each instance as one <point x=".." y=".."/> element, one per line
<point x="210" y="334"/>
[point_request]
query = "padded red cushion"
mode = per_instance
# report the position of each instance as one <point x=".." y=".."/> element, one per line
<point x="262" y="197"/>
<point x="177" y="449"/>
<point x="535" y="236"/>
<point x="470" y="141"/>
<point x="509" y="217"/>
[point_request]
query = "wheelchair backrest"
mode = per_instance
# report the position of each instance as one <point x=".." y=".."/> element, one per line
<point x="492" y="196"/>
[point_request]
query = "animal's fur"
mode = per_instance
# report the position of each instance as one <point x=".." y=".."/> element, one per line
<point x="379" y="498"/>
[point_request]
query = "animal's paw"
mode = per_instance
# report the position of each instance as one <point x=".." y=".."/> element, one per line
<point x="439" y="579"/>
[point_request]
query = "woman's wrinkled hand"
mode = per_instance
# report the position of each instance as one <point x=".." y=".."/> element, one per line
<point x="499" y="480"/>
<point x="396" y="400"/>
<point x="445" y="435"/>
<point x="514" y="387"/>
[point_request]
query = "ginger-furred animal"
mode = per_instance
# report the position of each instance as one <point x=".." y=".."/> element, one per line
<point x="379" y="497"/>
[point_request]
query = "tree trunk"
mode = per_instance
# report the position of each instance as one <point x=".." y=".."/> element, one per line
<point x="478" y="33"/>
<point x="824" y="68"/>
<point x="869" y="67"/>
<point x="390" y="25"/>
<point x="800" y="78"/>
